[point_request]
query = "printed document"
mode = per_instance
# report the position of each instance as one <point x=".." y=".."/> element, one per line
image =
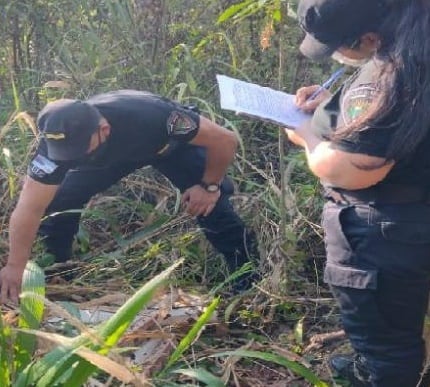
<point x="260" y="102"/>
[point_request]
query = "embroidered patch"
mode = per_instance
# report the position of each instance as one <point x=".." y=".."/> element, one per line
<point x="356" y="102"/>
<point x="179" y="123"/>
<point x="54" y="136"/>
<point x="41" y="166"/>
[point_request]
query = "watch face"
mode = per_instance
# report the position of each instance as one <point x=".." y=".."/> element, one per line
<point x="212" y="187"/>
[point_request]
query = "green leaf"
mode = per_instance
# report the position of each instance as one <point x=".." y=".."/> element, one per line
<point x="233" y="11"/>
<point x="297" y="368"/>
<point x="6" y="353"/>
<point x="298" y="332"/>
<point x="277" y="15"/>
<point x="195" y="330"/>
<point x="203" y="376"/>
<point x="72" y="370"/>
<point x="32" y="307"/>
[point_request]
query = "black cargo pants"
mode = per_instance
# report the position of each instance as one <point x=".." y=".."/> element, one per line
<point x="184" y="167"/>
<point x="378" y="267"/>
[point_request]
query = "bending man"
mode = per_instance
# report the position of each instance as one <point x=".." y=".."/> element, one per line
<point x="88" y="146"/>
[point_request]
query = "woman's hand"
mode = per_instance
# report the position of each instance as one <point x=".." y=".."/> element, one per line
<point x="300" y="135"/>
<point x="302" y="98"/>
<point x="294" y="137"/>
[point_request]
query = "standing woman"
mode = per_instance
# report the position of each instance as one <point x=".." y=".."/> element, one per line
<point x="369" y="144"/>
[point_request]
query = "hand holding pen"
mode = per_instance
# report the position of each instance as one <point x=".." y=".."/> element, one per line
<point x="309" y="97"/>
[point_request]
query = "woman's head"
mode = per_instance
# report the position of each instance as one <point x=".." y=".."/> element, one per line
<point x="395" y="32"/>
<point x="335" y="25"/>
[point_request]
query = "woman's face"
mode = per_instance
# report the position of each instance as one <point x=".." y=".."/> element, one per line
<point x="350" y="57"/>
<point x="358" y="53"/>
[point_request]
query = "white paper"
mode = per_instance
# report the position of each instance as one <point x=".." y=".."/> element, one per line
<point x="261" y="102"/>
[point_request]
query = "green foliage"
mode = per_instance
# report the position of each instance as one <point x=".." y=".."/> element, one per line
<point x="247" y="8"/>
<point x="16" y="348"/>
<point x="192" y="334"/>
<point x="31" y="313"/>
<point x="6" y="353"/>
<point x="74" y="360"/>
<point x="203" y="376"/>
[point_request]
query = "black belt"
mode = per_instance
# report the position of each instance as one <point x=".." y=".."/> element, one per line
<point x="379" y="194"/>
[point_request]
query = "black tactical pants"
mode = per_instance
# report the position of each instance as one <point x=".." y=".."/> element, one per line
<point x="184" y="167"/>
<point x="378" y="266"/>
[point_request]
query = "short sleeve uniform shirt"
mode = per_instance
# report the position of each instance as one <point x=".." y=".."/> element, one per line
<point x="144" y="127"/>
<point x="348" y="103"/>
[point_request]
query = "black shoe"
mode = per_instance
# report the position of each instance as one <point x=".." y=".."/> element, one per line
<point x="60" y="253"/>
<point x="350" y="368"/>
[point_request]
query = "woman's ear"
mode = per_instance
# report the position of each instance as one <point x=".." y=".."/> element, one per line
<point x="105" y="128"/>
<point x="370" y="42"/>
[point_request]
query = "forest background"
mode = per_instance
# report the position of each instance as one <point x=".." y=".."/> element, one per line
<point x="75" y="49"/>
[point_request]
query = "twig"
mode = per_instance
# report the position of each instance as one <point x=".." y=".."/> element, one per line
<point x="318" y="341"/>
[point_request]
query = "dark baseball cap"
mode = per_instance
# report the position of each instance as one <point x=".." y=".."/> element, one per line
<point x="67" y="126"/>
<point x="331" y="24"/>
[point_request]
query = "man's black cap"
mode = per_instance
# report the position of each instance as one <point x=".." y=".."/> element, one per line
<point x="67" y="126"/>
<point x="331" y="24"/>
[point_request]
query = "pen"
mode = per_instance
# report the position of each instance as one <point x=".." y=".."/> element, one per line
<point x="326" y="85"/>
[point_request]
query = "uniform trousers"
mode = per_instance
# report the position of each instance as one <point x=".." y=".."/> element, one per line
<point x="184" y="167"/>
<point x="378" y="267"/>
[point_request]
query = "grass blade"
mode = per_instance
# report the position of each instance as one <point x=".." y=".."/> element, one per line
<point x="6" y="353"/>
<point x="32" y="307"/>
<point x="203" y="376"/>
<point x="187" y="341"/>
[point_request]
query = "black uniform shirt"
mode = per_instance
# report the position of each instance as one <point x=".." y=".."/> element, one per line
<point x="355" y="96"/>
<point x="144" y="127"/>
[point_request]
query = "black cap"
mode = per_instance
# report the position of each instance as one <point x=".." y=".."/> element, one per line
<point x="67" y="126"/>
<point x="331" y="24"/>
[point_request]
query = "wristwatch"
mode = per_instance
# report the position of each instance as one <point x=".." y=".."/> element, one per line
<point x="210" y="187"/>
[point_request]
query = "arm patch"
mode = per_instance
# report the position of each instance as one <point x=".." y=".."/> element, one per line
<point x="180" y="124"/>
<point x="40" y="166"/>
<point x="356" y="102"/>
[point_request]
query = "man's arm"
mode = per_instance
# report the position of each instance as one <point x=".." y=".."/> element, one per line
<point x="23" y="226"/>
<point x="221" y="145"/>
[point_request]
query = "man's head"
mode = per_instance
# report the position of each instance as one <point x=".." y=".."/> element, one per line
<point x="68" y="126"/>
<point x="334" y="24"/>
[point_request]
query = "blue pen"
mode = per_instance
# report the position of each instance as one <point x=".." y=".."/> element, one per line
<point x="327" y="84"/>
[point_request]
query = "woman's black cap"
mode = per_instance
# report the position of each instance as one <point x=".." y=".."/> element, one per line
<point x="331" y="24"/>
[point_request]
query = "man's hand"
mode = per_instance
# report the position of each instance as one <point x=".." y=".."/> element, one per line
<point x="10" y="283"/>
<point x="303" y="94"/>
<point x="198" y="201"/>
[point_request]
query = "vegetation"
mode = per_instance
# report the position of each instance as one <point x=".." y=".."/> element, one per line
<point x="136" y="230"/>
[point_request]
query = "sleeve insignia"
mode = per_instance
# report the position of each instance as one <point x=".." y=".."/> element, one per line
<point x="179" y="123"/>
<point x="356" y="102"/>
<point x="41" y="166"/>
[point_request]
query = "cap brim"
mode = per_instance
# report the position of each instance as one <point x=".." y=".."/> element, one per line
<point x="314" y="49"/>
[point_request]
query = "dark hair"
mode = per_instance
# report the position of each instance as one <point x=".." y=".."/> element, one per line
<point x="404" y="84"/>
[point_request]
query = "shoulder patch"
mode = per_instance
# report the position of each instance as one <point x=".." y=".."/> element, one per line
<point x="41" y="166"/>
<point x="357" y="101"/>
<point x="180" y="123"/>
